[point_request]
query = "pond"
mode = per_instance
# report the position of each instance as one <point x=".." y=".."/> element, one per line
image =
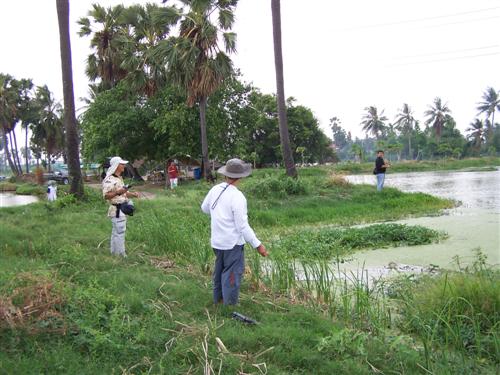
<point x="11" y="199"/>
<point x="473" y="224"/>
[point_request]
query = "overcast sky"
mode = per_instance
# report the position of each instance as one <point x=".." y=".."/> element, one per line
<point x="339" y="56"/>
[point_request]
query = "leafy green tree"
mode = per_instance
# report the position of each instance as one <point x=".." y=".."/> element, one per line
<point x="280" y="90"/>
<point x="373" y="122"/>
<point x="117" y="123"/>
<point x="300" y="150"/>
<point x="438" y="115"/>
<point x="405" y="122"/>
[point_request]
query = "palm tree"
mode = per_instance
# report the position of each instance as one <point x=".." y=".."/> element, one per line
<point x="373" y="122"/>
<point x="7" y="113"/>
<point x="405" y="122"/>
<point x="490" y="103"/>
<point x="148" y="25"/>
<point x="194" y="59"/>
<point x="438" y="115"/>
<point x="357" y="151"/>
<point x="72" y="141"/>
<point x="27" y="112"/>
<point x="104" y="64"/>
<point x="10" y="105"/>
<point x="47" y="131"/>
<point x="476" y="134"/>
<point x="280" y="89"/>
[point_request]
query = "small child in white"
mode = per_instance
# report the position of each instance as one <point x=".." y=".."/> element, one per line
<point x="52" y="192"/>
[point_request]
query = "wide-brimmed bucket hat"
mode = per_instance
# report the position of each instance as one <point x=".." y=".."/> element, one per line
<point x="235" y="168"/>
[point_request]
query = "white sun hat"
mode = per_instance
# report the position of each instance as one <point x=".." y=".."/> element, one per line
<point x="114" y="163"/>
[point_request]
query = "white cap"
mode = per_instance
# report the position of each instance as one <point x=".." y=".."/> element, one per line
<point x="114" y="163"/>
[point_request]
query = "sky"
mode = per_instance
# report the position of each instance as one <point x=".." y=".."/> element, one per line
<point x="339" y="56"/>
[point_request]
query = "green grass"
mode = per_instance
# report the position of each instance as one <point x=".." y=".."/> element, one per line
<point x="101" y="314"/>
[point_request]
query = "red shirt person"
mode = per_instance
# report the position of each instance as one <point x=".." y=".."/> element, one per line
<point x="173" y="173"/>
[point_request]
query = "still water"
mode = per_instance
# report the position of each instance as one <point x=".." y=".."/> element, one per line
<point x="10" y="199"/>
<point x="474" y="223"/>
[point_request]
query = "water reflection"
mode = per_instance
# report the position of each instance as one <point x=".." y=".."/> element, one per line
<point x="472" y="189"/>
<point x="10" y="199"/>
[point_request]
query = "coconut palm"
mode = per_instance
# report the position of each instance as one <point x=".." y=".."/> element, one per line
<point x="405" y="122"/>
<point x="489" y="105"/>
<point x="103" y="25"/>
<point x="278" y="63"/>
<point x="72" y="141"/>
<point x="437" y="115"/>
<point x="373" y="122"/>
<point x="194" y="59"/>
<point x="476" y="134"/>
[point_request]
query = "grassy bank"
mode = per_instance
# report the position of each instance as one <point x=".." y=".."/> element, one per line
<point x="24" y="188"/>
<point x="484" y="163"/>
<point x="67" y="306"/>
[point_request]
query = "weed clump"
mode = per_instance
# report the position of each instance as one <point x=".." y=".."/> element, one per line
<point x="337" y="180"/>
<point x="33" y="307"/>
<point x="276" y="187"/>
<point x="328" y="243"/>
<point x="461" y="309"/>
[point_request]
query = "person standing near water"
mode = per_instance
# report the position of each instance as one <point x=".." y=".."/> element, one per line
<point x="117" y="194"/>
<point x="227" y="207"/>
<point x="52" y="191"/>
<point x="380" y="167"/>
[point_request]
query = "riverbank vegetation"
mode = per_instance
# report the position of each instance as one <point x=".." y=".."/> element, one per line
<point x="66" y="305"/>
<point x="476" y="164"/>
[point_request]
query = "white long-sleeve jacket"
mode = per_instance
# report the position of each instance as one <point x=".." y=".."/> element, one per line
<point x="229" y="218"/>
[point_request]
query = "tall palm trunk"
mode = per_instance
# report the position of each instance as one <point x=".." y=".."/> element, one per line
<point x="7" y="152"/>
<point x="72" y="141"/>
<point x="409" y="147"/>
<point x="278" y="62"/>
<point x="13" y="154"/>
<point x="489" y="132"/>
<point x="26" y="150"/>
<point x="17" y="159"/>
<point x="204" y="141"/>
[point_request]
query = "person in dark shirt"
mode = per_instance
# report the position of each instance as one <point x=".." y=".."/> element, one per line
<point x="379" y="171"/>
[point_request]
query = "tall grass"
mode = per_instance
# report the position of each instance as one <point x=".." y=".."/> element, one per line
<point x="458" y="309"/>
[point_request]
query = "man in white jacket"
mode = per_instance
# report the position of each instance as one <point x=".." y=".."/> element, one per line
<point x="227" y="207"/>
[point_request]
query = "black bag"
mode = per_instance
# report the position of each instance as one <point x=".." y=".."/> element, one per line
<point x="126" y="208"/>
<point x="375" y="171"/>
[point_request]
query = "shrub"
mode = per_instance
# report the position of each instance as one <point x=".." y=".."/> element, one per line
<point x="276" y="186"/>
<point x="30" y="189"/>
<point x="7" y="186"/>
<point x="337" y="180"/>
